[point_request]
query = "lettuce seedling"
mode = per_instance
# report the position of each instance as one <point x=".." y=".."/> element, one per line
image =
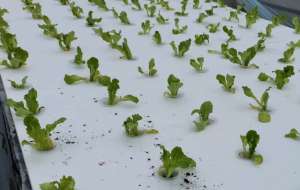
<point x="242" y="58"/>
<point x="123" y="17"/>
<point x="250" y="142"/>
<point x="262" y="104"/>
<point x="182" y="12"/>
<point x="35" y="9"/>
<point x="124" y="49"/>
<point x="205" y="110"/>
<point x="227" y="82"/>
<point x="174" y="160"/>
<point x="179" y="29"/>
<point x="260" y="44"/>
<point x="76" y="10"/>
<point x="213" y="28"/>
<point x="111" y="37"/>
<point x="282" y="76"/>
<point x="201" y="38"/>
<point x="288" y="55"/>
<point x="157" y="38"/>
<point x="125" y="2"/>
<point x="221" y="3"/>
<point x="92" y="21"/>
<point x="210" y="12"/>
<point x="174" y="84"/>
<point x="95" y="76"/>
<point x="296" y="23"/>
<point x="136" y="4"/>
<point x="197" y="64"/>
<point x="150" y="10"/>
<point x="3" y="24"/>
<point x="230" y="34"/>
<point x="201" y="17"/>
<point x="78" y="60"/>
<point x="146" y="27"/>
<point x="29" y="107"/>
<point x="161" y="19"/>
<point x="22" y="85"/>
<point x="113" y="99"/>
<point x="165" y="5"/>
<point x="100" y="3"/>
<point x="293" y="134"/>
<point x="65" y="40"/>
<point x="64" y="2"/>
<point x="234" y="15"/>
<point x="182" y="48"/>
<point x="295" y="44"/>
<point x="268" y="31"/>
<point x="15" y="59"/>
<point x="8" y="42"/>
<point x="41" y="136"/>
<point x="65" y="183"/>
<point x="131" y="126"/>
<point x="196" y="4"/>
<point x="49" y="29"/>
<point x="251" y="17"/>
<point x="151" y="69"/>
<point x="224" y="51"/>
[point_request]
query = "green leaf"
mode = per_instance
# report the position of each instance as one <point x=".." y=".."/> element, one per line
<point x="213" y="28"/>
<point x="230" y="34"/>
<point x="151" y="68"/>
<point x="179" y="29"/>
<point x="197" y="64"/>
<point x="288" y="55"/>
<point x="293" y="134"/>
<point x="183" y="12"/>
<point x="22" y="85"/>
<point x="182" y="48"/>
<point x="71" y="79"/>
<point x="157" y="38"/>
<point x="201" y="38"/>
<point x="173" y="160"/>
<point x="150" y="10"/>
<point x="136" y="4"/>
<point x="296" y="23"/>
<point x="91" y="21"/>
<point x="65" y="183"/>
<point x="100" y="3"/>
<point x="196" y="4"/>
<point x="264" y="117"/>
<point x="227" y="82"/>
<point x="93" y="65"/>
<point x="174" y="84"/>
<point x="65" y="40"/>
<point x="124" y="18"/>
<point x="201" y="17"/>
<point x="205" y="110"/>
<point x="76" y="10"/>
<point x="49" y="29"/>
<point x="161" y="19"/>
<point x="252" y="16"/>
<point x="146" y="27"/>
<point x="79" y="57"/>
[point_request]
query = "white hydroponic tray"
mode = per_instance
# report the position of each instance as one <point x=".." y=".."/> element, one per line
<point x="92" y="146"/>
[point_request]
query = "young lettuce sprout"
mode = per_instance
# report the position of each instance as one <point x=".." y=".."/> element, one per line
<point x="76" y="10"/>
<point x="157" y="38"/>
<point x="113" y="99"/>
<point x="111" y="37"/>
<point x="41" y="136"/>
<point x="250" y="142"/>
<point x="29" y="107"/>
<point x="201" y="17"/>
<point x="16" y="58"/>
<point x="179" y="29"/>
<point x="91" y="21"/>
<point x="124" y="18"/>
<point x="124" y="49"/>
<point x="260" y="44"/>
<point x="295" y="44"/>
<point x="174" y="84"/>
<point x="150" y="10"/>
<point x="184" y="4"/>
<point x="234" y="15"/>
<point x="136" y="5"/>
<point x="78" y="60"/>
<point x="230" y="34"/>
<point x="293" y="134"/>
<point x="146" y="27"/>
<point x="100" y="3"/>
<point x="151" y="66"/>
<point x="262" y="104"/>
<point x="201" y="38"/>
<point x="49" y="29"/>
<point x="281" y="78"/>
<point x="213" y="28"/>
<point x="182" y="48"/>
<point x="296" y="23"/>
<point x="227" y="82"/>
<point x="65" y="40"/>
<point x="251" y="17"/>
<point x="165" y="5"/>
<point x="288" y="55"/>
<point x="205" y="110"/>
<point x="174" y="160"/>
<point x="224" y="51"/>
<point x="196" y="4"/>
<point x="210" y="12"/>
<point x="268" y="31"/>
<point x="131" y="127"/>
<point x="64" y="2"/>
<point x="95" y="76"/>
<point x="65" y="183"/>
<point x="35" y="9"/>
<point x="3" y="24"/>
<point x="197" y="64"/>
<point x="242" y="58"/>
<point x="21" y="85"/>
<point x="161" y="19"/>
